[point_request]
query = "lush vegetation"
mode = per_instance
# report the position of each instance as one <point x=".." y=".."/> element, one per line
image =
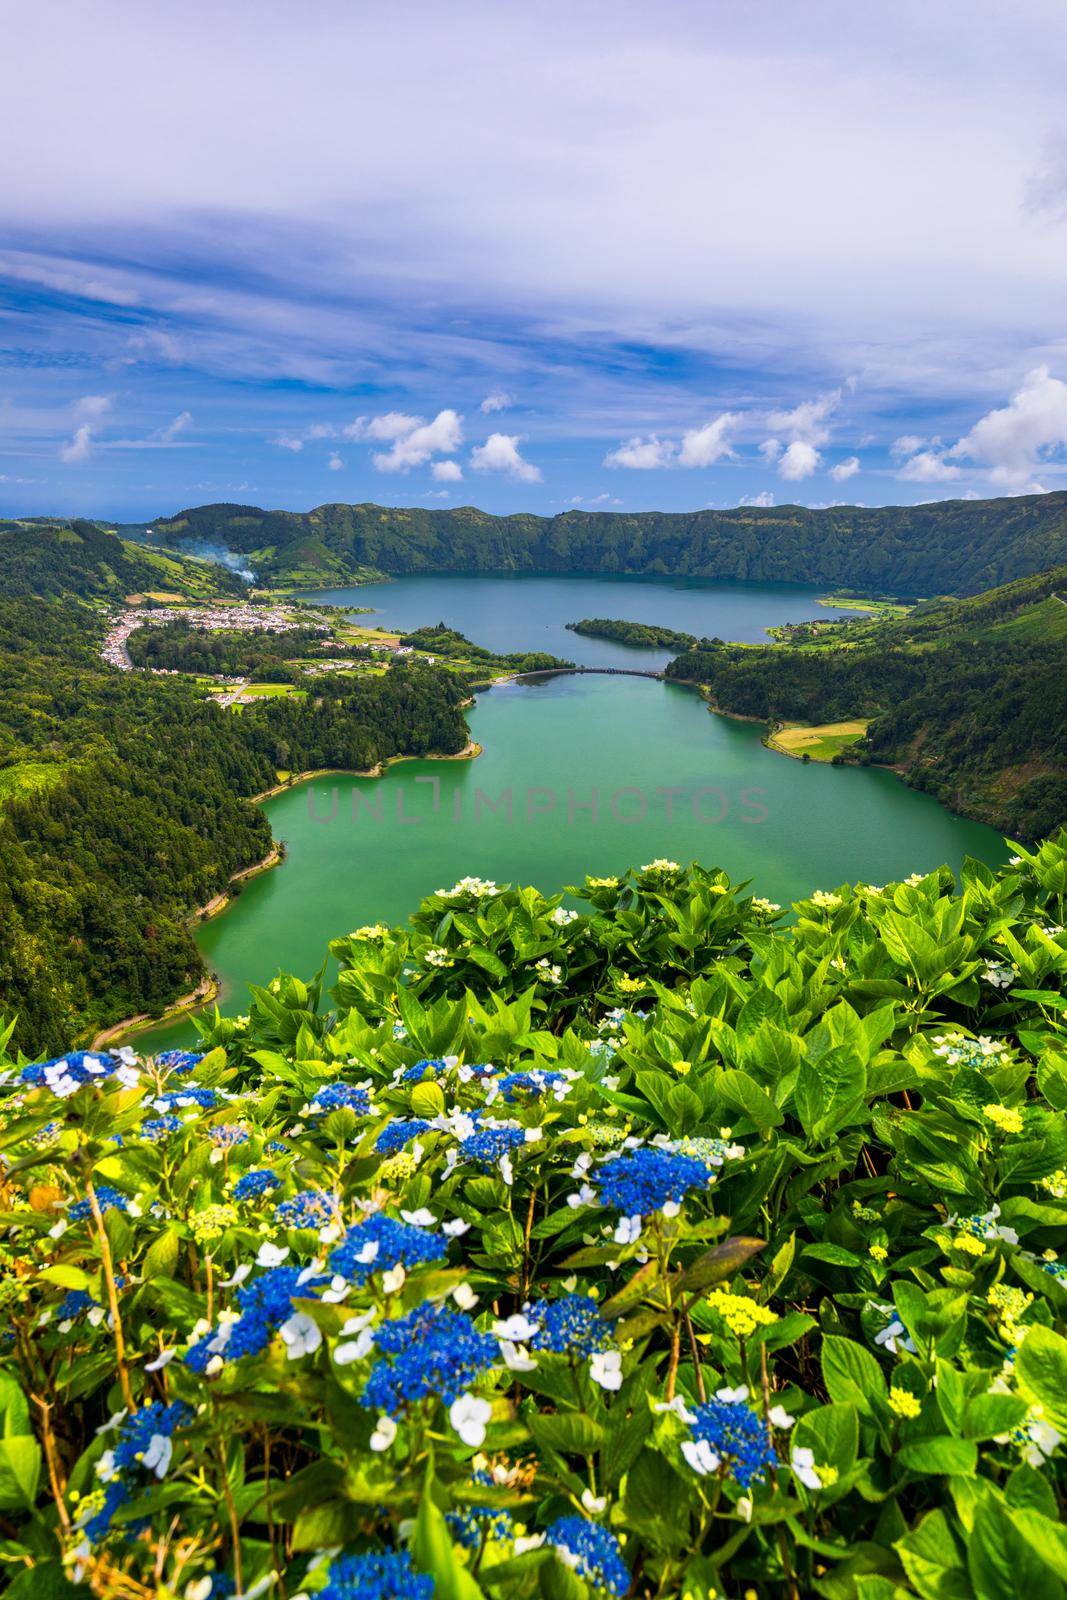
<point x="264" y="657"/>
<point x="642" y="634"/>
<point x="644" y="1249"/>
<point x="949" y="547"/>
<point x="441" y="640"/>
<point x="967" y="699"/>
<point x="53" y="560"/>
<point x="121" y="808"/>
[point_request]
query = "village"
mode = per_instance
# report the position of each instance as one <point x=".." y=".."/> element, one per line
<point x="240" y="617"/>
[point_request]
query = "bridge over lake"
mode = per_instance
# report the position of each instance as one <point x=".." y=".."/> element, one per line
<point x="607" y="672"/>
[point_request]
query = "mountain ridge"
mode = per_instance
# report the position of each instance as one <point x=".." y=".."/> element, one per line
<point x="947" y="546"/>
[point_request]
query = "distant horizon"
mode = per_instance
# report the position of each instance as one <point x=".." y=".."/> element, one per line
<point x="617" y="511"/>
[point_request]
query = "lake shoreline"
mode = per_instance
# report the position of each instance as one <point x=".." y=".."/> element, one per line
<point x="209" y="987"/>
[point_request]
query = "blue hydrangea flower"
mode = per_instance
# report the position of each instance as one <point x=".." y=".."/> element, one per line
<point x="191" y="1095"/>
<point x="311" y="1208"/>
<point x="227" y="1135"/>
<point x="64" y="1074"/>
<point x="264" y="1304"/>
<point x="476" y="1525"/>
<point x="178" y="1060"/>
<point x="132" y="1459"/>
<point x="396" y="1134"/>
<point x="433" y="1352"/>
<point x="571" y="1325"/>
<point x="729" y="1433"/>
<point x="156" y="1129"/>
<point x="592" y="1551"/>
<point x="489" y="1145"/>
<point x="645" y="1180"/>
<point x="377" y="1575"/>
<point x="258" y="1181"/>
<point x="73" y="1304"/>
<point x="340" y="1096"/>
<point x="420" y="1070"/>
<point x="519" y="1085"/>
<point x="381" y="1243"/>
<point x="107" y="1199"/>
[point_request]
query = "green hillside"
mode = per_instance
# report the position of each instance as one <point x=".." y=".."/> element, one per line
<point x="79" y="560"/>
<point x="950" y="547"/>
<point x="967" y="699"/>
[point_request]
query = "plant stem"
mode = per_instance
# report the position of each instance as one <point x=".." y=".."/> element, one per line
<point x="112" y="1297"/>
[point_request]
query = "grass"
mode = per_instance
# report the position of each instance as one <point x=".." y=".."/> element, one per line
<point x="270" y="691"/>
<point x="29" y="777"/>
<point x="821" y="742"/>
<point x="1045" y="621"/>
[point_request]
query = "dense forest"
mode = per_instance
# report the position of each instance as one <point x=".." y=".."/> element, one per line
<point x="948" y="547"/>
<point x="55" y="560"/>
<point x="264" y="657"/>
<point x="441" y="640"/>
<point x="644" y="635"/>
<point x="121" y="809"/>
<point x="968" y="700"/>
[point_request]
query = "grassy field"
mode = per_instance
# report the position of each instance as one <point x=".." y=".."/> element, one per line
<point x="880" y="608"/>
<point x="26" y="777"/>
<point x="271" y="691"/>
<point x="821" y="742"/>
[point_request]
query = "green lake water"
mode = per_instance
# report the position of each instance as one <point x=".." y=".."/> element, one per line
<point x="667" y="777"/>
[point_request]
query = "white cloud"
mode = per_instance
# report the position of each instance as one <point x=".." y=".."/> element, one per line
<point x="764" y="498"/>
<point x="928" y="467"/>
<point x="906" y="445"/>
<point x="500" y="453"/>
<point x="80" y="448"/>
<point x="845" y="469"/>
<point x="702" y="447"/>
<point x="94" y="407"/>
<point x="799" y="461"/>
<point x="416" y="441"/>
<point x="181" y="422"/>
<point x="642" y="454"/>
<point x="1012" y="440"/>
<point x="289" y="441"/>
<point x="770" y="450"/>
<point x="807" y="423"/>
<point x="447" y="471"/>
<point x="336" y="464"/>
<point x="497" y="401"/>
<point x="383" y="429"/>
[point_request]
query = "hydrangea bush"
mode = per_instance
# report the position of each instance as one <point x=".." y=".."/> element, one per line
<point x="676" y="1247"/>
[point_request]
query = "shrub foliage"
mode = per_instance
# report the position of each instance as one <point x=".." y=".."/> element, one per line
<point x="659" y="1247"/>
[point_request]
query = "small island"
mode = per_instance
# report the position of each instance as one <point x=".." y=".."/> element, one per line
<point x="643" y="635"/>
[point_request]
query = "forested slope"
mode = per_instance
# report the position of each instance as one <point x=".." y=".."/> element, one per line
<point x="58" y="560"/>
<point x="950" y="547"/>
<point x="121" y="808"/>
<point x="967" y="699"/>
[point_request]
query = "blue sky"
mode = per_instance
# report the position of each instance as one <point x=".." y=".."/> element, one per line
<point x="612" y="255"/>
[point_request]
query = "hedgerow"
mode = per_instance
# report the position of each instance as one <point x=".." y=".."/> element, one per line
<point x="668" y="1246"/>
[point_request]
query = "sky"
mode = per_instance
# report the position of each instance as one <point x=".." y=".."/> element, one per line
<point x="615" y="256"/>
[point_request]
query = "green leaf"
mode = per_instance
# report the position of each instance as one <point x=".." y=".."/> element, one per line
<point x="1001" y="1560"/>
<point x="940" y="1456"/>
<point x="1041" y="1373"/>
<point x="720" y="1263"/>
<point x="20" y="1471"/>
<point x="832" y="1433"/>
<point x="66" y="1277"/>
<point x="986" y="1415"/>
<point x="933" y="1559"/>
<point x="161" y="1257"/>
<point x="569" y="1432"/>
<point x="851" y="1373"/>
<point x="741" y="1091"/>
<point x="435" y="1553"/>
